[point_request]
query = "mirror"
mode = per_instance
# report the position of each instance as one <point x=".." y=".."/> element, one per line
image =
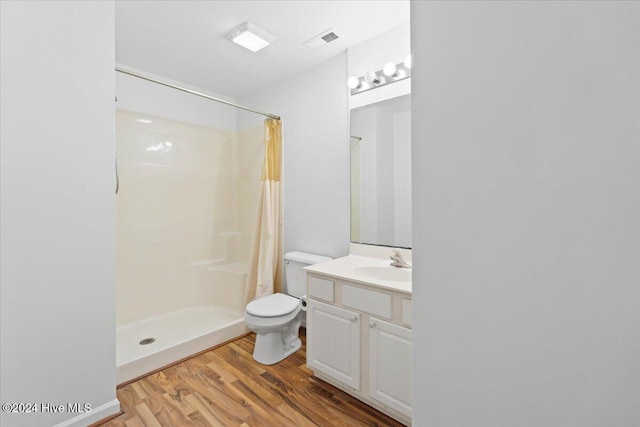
<point x="381" y="173"/>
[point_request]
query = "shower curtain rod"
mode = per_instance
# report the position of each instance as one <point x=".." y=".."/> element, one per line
<point x="193" y="92"/>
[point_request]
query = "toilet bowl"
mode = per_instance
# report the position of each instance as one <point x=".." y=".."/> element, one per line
<point x="276" y="318"/>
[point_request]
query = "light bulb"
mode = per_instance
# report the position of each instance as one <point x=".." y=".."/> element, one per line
<point x="353" y="82"/>
<point x="401" y="74"/>
<point x="364" y="86"/>
<point x="371" y="77"/>
<point x="407" y="61"/>
<point x="389" y="69"/>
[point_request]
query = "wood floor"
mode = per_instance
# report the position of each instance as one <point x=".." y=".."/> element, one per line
<point x="226" y="387"/>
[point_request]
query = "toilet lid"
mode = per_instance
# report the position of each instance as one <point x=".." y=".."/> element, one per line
<point x="273" y="305"/>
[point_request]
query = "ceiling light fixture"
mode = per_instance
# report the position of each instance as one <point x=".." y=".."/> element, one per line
<point x="250" y="36"/>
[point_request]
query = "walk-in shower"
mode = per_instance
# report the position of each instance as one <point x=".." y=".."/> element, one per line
<point x="187" y="208"/>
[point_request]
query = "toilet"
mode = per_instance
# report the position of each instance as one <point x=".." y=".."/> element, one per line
<point x="276" y="318"/>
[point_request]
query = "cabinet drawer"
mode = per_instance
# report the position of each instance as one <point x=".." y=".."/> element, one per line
<point x="365" y="300"/>
<point x="320" y="288"/>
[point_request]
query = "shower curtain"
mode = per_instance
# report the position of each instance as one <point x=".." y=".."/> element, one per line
<point x="264" y="264"/>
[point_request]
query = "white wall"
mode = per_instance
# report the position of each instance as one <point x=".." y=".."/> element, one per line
<point x="526" y="174"/>
<point x="58" y="209"/>
<point x="139" y="95"/>
<point x="315" y="132"/>
<point x="371" y="55"/>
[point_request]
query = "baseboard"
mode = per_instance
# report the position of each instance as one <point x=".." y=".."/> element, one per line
<point x="96" y="414"/>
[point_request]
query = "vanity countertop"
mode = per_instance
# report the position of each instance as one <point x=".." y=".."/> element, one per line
<point x="346" y="268"/>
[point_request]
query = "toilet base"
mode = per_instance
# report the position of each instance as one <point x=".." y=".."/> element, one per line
<point x="271" y="348"/>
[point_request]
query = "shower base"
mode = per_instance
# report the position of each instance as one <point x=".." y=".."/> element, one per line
<point x="173" y="336"/>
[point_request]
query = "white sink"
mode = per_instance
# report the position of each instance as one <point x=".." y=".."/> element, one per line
<point x="388" y="273"/>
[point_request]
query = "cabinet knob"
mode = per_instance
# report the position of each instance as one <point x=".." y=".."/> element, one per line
<point x="372" y="324"/>
<point x="354" y="319"/>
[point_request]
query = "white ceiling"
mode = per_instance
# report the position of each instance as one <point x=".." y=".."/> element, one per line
<point x="185" y="40"/>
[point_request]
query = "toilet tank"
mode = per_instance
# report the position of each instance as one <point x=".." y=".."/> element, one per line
<point x="296" y="277"/>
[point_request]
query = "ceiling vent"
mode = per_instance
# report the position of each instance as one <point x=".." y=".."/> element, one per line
<point x="322" y="39"/>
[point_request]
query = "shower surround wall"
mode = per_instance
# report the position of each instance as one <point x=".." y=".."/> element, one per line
<point x="183" y="238"/>
<point x="186" y="209"/>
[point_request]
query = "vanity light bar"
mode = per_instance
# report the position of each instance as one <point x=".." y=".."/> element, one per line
<point x="390" y="73"/>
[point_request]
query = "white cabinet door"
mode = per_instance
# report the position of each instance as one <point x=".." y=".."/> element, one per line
<point x="390" y="362"/>
<point x="333" y="342"/>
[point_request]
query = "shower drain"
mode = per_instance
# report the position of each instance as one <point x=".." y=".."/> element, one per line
<point x="147" y="341"/>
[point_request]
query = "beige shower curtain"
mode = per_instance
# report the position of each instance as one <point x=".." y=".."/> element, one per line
<point x="264" y="265"/>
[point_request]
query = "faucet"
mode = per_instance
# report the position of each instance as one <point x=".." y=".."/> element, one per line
<point x="397" y="261"/>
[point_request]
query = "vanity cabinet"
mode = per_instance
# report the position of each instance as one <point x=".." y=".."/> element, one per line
<point x="359" y="339"/>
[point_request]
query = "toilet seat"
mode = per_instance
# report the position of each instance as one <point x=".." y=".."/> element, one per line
<point x="273" y="305"/>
